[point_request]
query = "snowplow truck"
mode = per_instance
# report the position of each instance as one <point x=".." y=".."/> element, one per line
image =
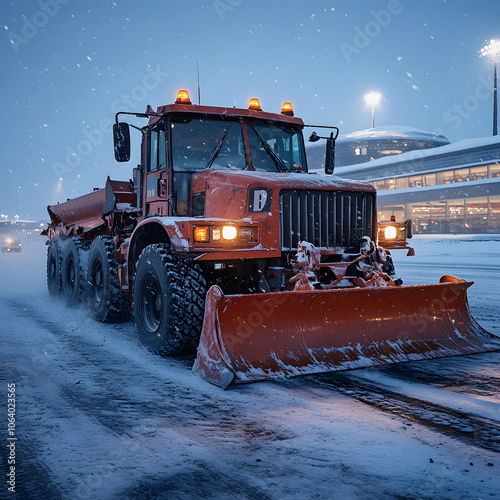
<point x="224" y="243"/>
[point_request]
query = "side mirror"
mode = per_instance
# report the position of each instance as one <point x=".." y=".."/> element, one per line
<point x="330" y="155"/>
<point x="121" y="139"/>
<point x="330" y="147"/>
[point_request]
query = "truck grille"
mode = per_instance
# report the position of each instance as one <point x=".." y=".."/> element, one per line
<point x="327" y="219"/>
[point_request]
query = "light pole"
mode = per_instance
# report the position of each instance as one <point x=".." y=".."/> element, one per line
<point x="372" y="99"/>
<point x="493" y="49"/>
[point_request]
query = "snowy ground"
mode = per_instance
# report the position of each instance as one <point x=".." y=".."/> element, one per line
<point x="98" y="416"/>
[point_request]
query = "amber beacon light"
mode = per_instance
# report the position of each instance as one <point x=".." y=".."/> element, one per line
<point x="254" y="104"/>
<point x="287" y="109"/>
<point x="183" y="97"/>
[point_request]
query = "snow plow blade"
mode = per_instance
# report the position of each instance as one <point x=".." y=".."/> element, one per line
<point x="249" y="338"/>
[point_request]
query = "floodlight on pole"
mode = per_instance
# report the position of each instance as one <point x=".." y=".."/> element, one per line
<point x="372" y="99"/>
<point x="493" y="49"/>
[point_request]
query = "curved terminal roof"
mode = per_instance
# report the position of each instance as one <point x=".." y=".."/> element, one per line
<point x="392" y="132"/>
<point x="375" y="168"/>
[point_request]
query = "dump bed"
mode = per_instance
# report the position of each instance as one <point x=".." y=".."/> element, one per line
<point x="88" y="211"/>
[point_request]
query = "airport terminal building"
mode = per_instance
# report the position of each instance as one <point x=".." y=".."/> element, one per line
<point x="374" y="143"/>
<point x="450" y="188"/>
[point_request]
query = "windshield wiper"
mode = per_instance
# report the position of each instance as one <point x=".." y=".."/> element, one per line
<point x="217" y="149"/>
<point x="278" y="161"/>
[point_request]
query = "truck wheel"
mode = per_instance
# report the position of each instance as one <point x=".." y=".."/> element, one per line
<point x="54" y="264"/>
<point x="73" y="271"/>
<point x="169" y="301"/>
<point x="107" y="302"/>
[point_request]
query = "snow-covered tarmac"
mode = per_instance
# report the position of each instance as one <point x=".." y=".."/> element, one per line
<point x="98" y="416"/>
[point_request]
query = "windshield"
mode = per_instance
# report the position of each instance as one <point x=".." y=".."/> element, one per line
<point x="198" y="144"/>
<point x="286" y="143"/>
<point x="203" y="143"/>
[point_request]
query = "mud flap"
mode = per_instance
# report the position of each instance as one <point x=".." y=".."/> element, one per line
<point x="247" y="338"/>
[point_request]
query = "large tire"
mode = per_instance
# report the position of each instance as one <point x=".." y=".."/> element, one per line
<point x="169" y="301"/>
<point x="73" y="271"/>
<point x="107" y="302"/>
<point x="54" y="265"/>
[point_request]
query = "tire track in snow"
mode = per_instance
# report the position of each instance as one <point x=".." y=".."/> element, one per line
<point x="476" y="430"/>
<point x="197" y="415"/>
<point x="108" y="401"/>
<point x="469" y="375"/>
<point x="115" y="408"/>
<point x="34" y="479"/>
<point x="202" y="481"/>
<point x="132" y="419"/>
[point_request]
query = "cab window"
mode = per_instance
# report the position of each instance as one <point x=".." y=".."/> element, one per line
<point x="286" y="142"/>
<point x="199" y="143"/>
<point x="157" y="151"/>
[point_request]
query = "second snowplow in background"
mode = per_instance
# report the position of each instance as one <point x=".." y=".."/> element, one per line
<point x="223" y="232"/>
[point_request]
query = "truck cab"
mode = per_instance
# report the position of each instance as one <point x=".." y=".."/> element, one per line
<point x="182" y="140"/>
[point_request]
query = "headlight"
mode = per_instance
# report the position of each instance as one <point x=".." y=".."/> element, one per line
<point x="390" y="232"/>
<point x="225" y="234"/>
<point x="229" y="232"/>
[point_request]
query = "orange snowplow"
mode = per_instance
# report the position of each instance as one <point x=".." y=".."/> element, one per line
<point x="272" y="336"/>
<point x="224" y="242"/>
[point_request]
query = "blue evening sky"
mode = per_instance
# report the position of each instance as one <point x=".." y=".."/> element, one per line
<point x="69" y="65"/>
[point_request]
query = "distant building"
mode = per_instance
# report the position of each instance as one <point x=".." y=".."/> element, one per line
<point x="367" y="145"/>
<point x="374" y="143"/>
<point x="451" y="188"/>
<point x="21" y="227"/>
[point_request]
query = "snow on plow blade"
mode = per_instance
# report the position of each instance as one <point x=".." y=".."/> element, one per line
<point x="247" y="338"/>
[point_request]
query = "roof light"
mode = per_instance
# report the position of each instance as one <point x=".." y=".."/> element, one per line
<point x="287" y="109"/>
<point x="183" y="97"/>
<point x="254" y="104"/>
